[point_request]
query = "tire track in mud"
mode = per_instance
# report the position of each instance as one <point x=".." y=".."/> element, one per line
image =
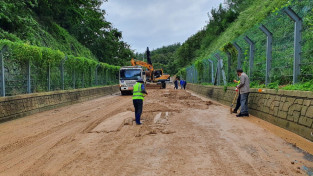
<point x="82" y="116"/>
<point x="211" y="155"/>
<point x="70" y="142"/>
<point x="23" y="148"/>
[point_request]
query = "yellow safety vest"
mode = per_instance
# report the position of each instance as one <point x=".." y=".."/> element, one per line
<point x="137" y="94"/>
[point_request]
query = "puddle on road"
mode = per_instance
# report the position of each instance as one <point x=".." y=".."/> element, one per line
<point x="306" y="156"/>
<point x="308" y="170"/>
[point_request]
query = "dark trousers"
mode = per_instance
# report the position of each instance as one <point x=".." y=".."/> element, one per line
<point x="238" y="103"/>
<point x="244" y="103"/>
<point x="185" y="85"/>
<point x="176" y="86"/>
<point x="138" y="109"/>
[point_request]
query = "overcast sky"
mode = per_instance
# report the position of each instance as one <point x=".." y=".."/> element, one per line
<point x="157" y="23"/>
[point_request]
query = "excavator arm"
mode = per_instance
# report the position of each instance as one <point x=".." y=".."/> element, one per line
<point x="155" y="75"/>
<point x="143" y="64"/>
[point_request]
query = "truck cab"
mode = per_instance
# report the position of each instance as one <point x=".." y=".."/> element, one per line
<point x="128" y="77"/>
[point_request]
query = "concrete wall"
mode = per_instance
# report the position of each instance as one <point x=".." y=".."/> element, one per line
<point x="292" y="110"/>
<point x="23" y="105"/>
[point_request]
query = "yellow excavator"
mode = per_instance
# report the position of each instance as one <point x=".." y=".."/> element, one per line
<point x="153" y="75"/>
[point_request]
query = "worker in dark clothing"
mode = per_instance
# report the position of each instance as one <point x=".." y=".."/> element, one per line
<point x="181" y="82"/>
<point x="244" y="89"/>
<point x="138" y="97"/>
<point x="176" y="83"/>
<point x="185" y="84"/>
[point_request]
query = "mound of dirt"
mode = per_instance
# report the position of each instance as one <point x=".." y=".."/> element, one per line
<point x="156" y="107"/>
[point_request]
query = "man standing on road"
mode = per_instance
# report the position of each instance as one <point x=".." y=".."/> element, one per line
<point x="176" y="83"/>
<point x="185" y="83"/>
<point x="244" y="89"/>
<point x="138" y="97"/>
<point x="181" y="82"/>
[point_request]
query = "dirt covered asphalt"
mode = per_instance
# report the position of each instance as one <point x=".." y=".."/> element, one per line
<point x="183" y="134"/>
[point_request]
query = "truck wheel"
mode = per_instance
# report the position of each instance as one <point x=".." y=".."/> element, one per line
<point x="163" y="85"/>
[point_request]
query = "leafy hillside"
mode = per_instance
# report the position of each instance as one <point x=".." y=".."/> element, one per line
<point x="75" y="27"/>
<point x="279" y="71"/>
<point x="226" y="23"/>
<point x="164" y="57"/>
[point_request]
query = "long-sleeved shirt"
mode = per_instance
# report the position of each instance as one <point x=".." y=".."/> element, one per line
<point x="244" y="85"/>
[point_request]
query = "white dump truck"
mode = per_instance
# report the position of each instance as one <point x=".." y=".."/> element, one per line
<point x="128" y="76"/>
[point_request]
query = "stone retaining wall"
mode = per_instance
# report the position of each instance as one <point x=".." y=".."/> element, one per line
<point x="23" y="105"/>
<point x="292" y="110"/>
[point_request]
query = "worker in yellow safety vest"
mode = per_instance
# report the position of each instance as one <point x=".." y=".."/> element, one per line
<point x="139" y="92"/>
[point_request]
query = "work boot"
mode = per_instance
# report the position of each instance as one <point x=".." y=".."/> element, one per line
<point x="242" y="115"/>
<point x="140" y="123"/>
<point x="235" y="111"/>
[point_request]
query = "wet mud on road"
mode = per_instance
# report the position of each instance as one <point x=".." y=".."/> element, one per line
<point x="182" y="134"/>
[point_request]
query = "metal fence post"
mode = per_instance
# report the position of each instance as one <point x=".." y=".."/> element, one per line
<point x="212" y="71"/>
<point x="228" y="66"/>
<point x="2" y="71"/>
<point x="83" y="80"/>
<point x="238" y="48"/>
<point x="193" y="74"/>
<point x="297" y="43"/>
<point x="28" y="77"/>
<point x="96" y="75"/>
<point x="188" y="75"/>
<point x="196" y="75"/>
<point x="218" y="69"/>
<point x="268" y="52"/>
<point x="216" y="75"/>
<point x="90" y="76"/>
<point x="62" y="72"/>
<point x="251" y="57"/>
<point x="105" y="77"/>
<point x="107" y="82"/>
<point x="221" y="65"/>
<point x="49" y="83"/>
<point x="74" y="79"/>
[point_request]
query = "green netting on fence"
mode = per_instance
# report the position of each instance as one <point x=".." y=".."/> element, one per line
<point x="30" y="69"/>
<point x="281" y="70"/>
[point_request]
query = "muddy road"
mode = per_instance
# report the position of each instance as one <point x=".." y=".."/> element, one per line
<point x="183" y="134"/>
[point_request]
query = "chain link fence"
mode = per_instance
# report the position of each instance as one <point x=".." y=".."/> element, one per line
<point x="32" y="76"/>
<point x="278" y="50"/>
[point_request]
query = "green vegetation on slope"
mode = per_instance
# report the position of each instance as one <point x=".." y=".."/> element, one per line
<point x="74" y="27"/>
<point x="231" y="24"/>
<point x="78" y="72"/>
<point x="282" y="28"/>
<point x="164" y="57"/>
<point x="225" y="24"/>
<point x="251" y="16"/>
<point x="198" y="43"/>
